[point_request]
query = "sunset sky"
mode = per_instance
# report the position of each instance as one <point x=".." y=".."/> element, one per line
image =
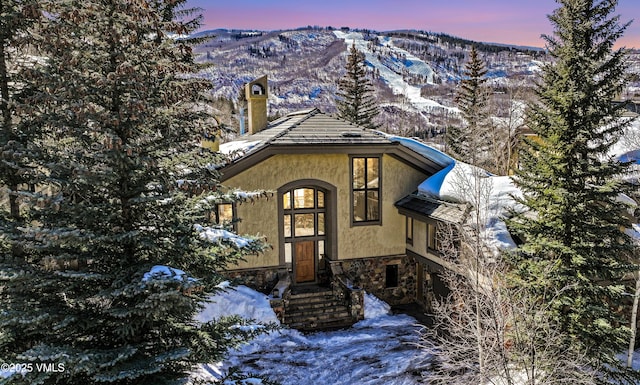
<point x="502" y="21"/>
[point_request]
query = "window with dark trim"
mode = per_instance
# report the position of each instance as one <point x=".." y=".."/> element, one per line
<point x="432" y="239"/>
<point x="409" y="226"/>
<point x="365" y="190"/>
<point x="225" y="214"/>
<point x="304" y="219"/>
<point x="391" y="276"/>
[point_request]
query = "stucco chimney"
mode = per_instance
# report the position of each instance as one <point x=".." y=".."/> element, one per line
<point x="256" y="95"/>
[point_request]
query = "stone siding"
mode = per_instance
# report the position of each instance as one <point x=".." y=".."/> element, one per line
<point x="262" y="280"/>
<point x="370" y="274"/>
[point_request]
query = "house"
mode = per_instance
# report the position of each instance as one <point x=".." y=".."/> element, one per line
<point x="345" y="213"/>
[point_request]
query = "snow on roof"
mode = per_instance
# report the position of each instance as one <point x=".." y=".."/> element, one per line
<point x="237" y="148"/>
<point x="214" y="235"/>
<point x="422" y="149"/>
<point x="432" y="186"/>
<point x="491" y="195"/>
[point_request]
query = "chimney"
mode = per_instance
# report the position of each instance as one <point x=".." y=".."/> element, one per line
<point x="256" y="95"/>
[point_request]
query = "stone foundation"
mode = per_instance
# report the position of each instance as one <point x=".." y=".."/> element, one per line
<point x="370" y="274"/>
<point x="262" y="280"/>
<point x="366" y="273"/>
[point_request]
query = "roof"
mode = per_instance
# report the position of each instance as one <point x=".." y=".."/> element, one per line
<point x="311" y="127"/>
<point x="417" y="205"/>
<point x="311" y="131"/>
<point x="315" y="127"/>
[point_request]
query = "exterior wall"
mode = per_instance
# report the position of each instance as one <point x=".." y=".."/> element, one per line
<point x="419" y="246"/>
<point x="398" y="180"/>
<point x="419" y="238"/>
<point x="433" y="288"/>
<point x="259" y="279"/>
<point x="370" y="274"/>
<point x="261" y="217"/>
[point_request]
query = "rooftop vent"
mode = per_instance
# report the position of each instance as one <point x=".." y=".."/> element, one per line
<point x="351" y="135"/>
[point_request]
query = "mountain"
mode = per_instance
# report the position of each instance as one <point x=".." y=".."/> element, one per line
<point x="415" y="72"/>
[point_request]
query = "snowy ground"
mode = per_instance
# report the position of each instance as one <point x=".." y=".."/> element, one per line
<point x="381" y="350"/>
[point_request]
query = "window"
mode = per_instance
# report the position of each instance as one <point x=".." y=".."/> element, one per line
<point x="409" y="226"/>
<point x="431" y="237"/>
<point x="225" y="214"/>
<point x="391" y="276"/>
<point x="303" y="219"/>
<point x="257" y="89"/>
<point x="365" y="190"/>
<point x="433" y="243"/>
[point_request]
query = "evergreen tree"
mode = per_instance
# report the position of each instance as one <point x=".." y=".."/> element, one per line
<point x="17" y="131"/>
<point x="355" y="97"/>
<point x="121" y="117"/>
<point x="468" y="142"/>
<point x="572" y="186"/>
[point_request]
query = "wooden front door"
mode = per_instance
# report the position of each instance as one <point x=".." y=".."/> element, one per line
<point x="305" y="261"/>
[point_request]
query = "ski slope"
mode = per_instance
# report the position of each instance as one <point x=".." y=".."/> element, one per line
<point x="389" y="70"/>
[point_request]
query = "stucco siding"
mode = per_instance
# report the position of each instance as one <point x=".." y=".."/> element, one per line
<point x="419" y="238"/>
<point x="261" y="217"/>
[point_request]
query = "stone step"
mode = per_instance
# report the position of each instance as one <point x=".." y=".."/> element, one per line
<point x="319" y="314"/>
<point x="304" y="306"/>
<point x="315" y="299"/>
<point x="313" y="294"/>
<point x="316" y="310"/>
<point x="322" y="325"/>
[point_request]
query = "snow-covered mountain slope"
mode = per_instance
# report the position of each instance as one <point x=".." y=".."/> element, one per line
<point x="304" y="67"/>
<point x="415" y="73"/>
<point x="392" y="64"/>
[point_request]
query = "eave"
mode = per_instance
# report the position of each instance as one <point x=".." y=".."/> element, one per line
<point x="393" y="149"/>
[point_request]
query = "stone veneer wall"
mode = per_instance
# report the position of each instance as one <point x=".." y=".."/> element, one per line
<point x="427" y="292"/>
<point x="262" y="280"/>
<point x="370" y="274"/>
<point x="434" y="287"/>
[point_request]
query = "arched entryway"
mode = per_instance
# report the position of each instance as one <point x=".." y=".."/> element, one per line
<point x="307" y="229"/>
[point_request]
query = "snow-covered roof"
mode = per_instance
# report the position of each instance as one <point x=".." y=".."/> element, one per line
<point x="439" y="210"/>
<point x="423" y="149"/>
<point x="491" y="196"/>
